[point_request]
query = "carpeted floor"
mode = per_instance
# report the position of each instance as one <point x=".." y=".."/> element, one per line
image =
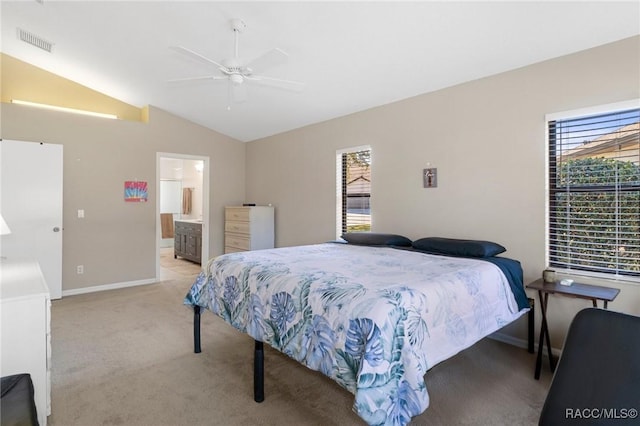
<point x="125" y="357"/>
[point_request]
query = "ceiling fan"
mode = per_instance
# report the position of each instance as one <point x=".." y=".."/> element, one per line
<point x="238" y="73"/>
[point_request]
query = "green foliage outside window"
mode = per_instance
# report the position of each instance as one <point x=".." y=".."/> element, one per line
<point x="359" y="228"/>
<point x="597" y="222"/>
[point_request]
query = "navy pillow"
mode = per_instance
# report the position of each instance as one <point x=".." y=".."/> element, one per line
<point x="374" y="239"/>
<point x="453" y="247"/>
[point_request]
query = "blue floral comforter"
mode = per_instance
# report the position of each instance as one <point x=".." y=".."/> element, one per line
<point x="373" y="319"/>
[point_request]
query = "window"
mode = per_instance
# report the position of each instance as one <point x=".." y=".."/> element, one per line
<point x="594" y="192"/>
<point x="354" y="190"/>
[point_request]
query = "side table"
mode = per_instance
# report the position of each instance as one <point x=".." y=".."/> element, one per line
<point x="577" y="290"/>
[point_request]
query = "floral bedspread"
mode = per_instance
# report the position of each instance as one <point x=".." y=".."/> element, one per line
<point x="373" y="319"/>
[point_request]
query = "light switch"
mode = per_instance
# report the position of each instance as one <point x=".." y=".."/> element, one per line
<point x="80" y="214"/>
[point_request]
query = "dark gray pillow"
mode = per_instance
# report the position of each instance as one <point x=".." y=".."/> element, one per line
<point x="374" y="239"/>
<point x="453" y="247"/>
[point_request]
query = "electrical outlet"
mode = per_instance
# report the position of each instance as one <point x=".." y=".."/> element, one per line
<point x="80" y="269"/>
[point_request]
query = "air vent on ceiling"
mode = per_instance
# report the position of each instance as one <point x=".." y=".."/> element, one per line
<point x="34" y="40"/>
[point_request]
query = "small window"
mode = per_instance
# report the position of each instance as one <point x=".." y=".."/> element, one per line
<point x="594" y="193"/>
<point x="354" y="190"/>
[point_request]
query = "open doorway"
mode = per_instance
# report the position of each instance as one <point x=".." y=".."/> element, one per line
<point x="182" y="209"/>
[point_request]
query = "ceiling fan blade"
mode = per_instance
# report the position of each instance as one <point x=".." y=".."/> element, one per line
<point x="196" y="56"/>
<point x="199" y="78"/>
<point x="268" y="60"/>
<point x="295" y="86"/>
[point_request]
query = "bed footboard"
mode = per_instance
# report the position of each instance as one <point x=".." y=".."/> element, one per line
<point x="196" y="330"/>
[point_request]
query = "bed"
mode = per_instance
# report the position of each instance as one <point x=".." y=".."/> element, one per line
<point x="372" y="318"/>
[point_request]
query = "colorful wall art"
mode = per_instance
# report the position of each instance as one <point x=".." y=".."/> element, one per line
<point x="135" y="191"/>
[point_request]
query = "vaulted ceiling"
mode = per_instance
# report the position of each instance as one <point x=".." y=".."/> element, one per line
<point x="350" y="55"/>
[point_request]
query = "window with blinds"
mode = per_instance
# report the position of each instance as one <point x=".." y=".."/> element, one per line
<point x="594" y="193"/>
<point x="354" y="190"/>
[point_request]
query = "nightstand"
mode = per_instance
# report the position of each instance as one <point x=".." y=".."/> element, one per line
<point x="577" y="290"/>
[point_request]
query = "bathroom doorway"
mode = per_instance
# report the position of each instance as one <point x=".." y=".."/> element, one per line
<point x="182" y="200"/>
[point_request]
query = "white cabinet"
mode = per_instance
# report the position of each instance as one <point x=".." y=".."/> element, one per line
<point x="25" y="307"/>
<point x="248" y="228"/>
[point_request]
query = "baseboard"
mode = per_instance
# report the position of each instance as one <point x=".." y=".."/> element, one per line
<point x="106" y="287"/>
<point x="520" y="343"/>
<point x="508" y="339"/>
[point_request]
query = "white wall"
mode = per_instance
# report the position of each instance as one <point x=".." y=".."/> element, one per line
<point x="176" y="174"/>
<point x="192" y="178"/>
<point x="487" y="139"/>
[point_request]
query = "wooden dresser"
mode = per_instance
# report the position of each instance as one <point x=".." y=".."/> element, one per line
<point x="248" y="228"/>
<point x="188" y="240"/>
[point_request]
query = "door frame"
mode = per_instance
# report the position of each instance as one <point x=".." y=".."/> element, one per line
<point x="205" y="204"/>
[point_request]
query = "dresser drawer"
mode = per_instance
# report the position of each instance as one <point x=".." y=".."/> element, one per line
<point x="237" y="241"/>
<point x="228" y="249"/>
<point x="237" y="227"/>
<point x="237" y="214"/>
<point x="248" y="228"/>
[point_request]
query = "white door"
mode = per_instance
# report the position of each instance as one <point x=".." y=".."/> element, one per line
<point x="31" y="205"/>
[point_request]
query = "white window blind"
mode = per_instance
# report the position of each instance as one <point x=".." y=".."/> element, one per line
<point x="355" y="190"/>
<point x="594" y="193"/>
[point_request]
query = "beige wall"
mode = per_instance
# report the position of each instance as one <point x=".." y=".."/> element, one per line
<point x="487" y="139"/>
<point x="116" y="241"/>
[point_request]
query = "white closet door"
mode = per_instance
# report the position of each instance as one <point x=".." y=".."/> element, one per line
<point x="31" y="204"/>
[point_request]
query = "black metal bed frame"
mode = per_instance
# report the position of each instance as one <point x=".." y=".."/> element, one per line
<point x="258" y="353"/>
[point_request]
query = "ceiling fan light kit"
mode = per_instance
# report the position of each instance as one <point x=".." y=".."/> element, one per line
<point x="237" y="72"/>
